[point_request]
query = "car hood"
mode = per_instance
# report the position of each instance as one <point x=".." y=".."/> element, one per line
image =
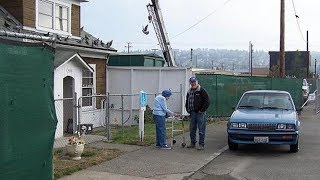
<point x="264" y="116"/>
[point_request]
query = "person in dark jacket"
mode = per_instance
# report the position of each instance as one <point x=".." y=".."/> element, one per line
<point x="197" y="102"/>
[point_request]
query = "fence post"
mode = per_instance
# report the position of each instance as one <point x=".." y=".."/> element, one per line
<point x="217" y="100"/>
<point x="182" y="99"/>
<point x="75" y="114"/>
<point x="107" y="118"/>
<point x="317" y="94"/>
<point x="122" y="115"/>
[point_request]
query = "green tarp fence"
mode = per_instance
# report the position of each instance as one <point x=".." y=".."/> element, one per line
<point x="225" y="91"/>
<point x="27" y="114"/>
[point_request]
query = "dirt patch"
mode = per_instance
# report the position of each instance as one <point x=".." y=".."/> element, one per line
<point x="91" y="156"/>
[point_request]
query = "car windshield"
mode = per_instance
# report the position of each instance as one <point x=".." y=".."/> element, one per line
<point x="266" y="101"/>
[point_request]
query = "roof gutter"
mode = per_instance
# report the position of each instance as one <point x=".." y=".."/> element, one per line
<point x="26" y="36"/>
<point x="84" y="48"/>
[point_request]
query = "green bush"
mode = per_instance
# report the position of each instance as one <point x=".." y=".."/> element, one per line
<point x="148" y="116"/>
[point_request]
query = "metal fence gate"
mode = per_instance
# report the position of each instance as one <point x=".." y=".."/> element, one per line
<point x="93" y="114"/>
<point x="66" y="112"/>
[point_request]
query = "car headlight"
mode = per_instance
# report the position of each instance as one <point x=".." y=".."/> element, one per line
<point x="242" y="125"/>
<point x="290" y="126"/>
<point x="281" y="126"/>
<point x="285" y="126"/>
<point x="238" y="125"/>
<point x="234" y="125"/>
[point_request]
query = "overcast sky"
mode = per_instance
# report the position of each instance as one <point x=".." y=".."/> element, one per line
<point x="231" y="27"/>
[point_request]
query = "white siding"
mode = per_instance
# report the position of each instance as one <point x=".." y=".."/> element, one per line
<point x="131" y="80"/>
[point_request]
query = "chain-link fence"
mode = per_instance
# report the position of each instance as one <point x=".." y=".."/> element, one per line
<point x="114" y="116"/>
<point x="65" y="115"/>
<point x="92" y="112"/>
<point x="123" y="115"/>
<point x="66" y="112"/>
<point x="225" y="91"/>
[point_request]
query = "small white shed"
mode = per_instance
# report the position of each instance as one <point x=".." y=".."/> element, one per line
<point x="67" y="81"/>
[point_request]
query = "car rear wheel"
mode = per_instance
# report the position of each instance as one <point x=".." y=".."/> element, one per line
<point x="232" y="146"/>
<point x="294" y="148"/>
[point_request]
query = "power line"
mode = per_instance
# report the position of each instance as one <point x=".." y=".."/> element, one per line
<point x="201" y="20"/>
<point x="297" y="19"/>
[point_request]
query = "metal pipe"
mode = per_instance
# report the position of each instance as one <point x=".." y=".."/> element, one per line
<point x="26" y="36"/>
<point x="122" y="116"/>
<point x="107" y="105"/>
<point x="79" y="114"/>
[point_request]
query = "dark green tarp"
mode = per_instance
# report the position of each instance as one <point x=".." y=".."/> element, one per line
<point x="225" y="91"/>
<point x="27" y="114"/>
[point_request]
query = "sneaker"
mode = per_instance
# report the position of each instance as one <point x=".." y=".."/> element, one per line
<point x="157" y="145"/>
<point x="165" y="147"/>
<point x="201" y="147"/>
<point x="191" y="146"/>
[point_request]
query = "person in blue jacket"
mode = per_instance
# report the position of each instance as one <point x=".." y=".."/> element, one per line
<point x="160" y="110"/>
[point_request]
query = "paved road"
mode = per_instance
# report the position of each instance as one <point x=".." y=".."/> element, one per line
<point x="271" y="162"/>
<point x="153" y="163"/>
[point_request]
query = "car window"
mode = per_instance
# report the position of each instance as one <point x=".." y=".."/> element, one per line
<point x="266" y="100"/>
<point x="279" y="101"/>
<point x="251" y="101"/>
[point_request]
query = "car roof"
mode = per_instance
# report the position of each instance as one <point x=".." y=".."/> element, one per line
<point x="267" y="91"/>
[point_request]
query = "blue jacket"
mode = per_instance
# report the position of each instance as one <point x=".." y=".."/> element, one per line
<point x="160" y="106"/>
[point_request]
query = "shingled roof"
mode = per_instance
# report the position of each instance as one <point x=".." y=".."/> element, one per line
<point x="9" y="24"/>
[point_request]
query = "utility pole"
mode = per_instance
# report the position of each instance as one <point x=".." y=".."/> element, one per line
<point x="250" y="57"/>
<point x="191" y="57"/>
<point x="211" y="64"/>
<point x="128" y="46"/>
<point x="282" y="46"/>
<point x="196" y="61"/>
<point x="308" y="64"/>
<point x="315" y="68"/>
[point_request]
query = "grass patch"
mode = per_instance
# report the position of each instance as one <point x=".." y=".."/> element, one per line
<point x="130" y="134"/>
<point x="90" y="157"/>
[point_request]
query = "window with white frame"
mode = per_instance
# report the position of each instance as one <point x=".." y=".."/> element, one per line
<point x="54" y="16"/>
<point x="62" y="18"/>
<point x="88" y="86"/>
<point x="45" y="14"/>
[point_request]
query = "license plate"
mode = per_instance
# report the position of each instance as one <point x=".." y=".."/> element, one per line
<point x="261" y="140"/>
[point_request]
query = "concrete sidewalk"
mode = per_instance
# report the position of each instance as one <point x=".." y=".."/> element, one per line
<point x="153" y="163"/>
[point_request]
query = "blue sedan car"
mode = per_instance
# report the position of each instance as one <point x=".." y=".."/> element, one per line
<point x="264" y="117"/>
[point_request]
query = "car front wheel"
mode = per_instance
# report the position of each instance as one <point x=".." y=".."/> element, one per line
<point x="232" y="146"/>
<point x="294" y="148"/>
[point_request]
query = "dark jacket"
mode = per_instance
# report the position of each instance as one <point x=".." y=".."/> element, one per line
<point x="201" y="100"/>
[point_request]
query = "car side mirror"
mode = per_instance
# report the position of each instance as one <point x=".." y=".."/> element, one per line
<point x="233" y="108"/>
<point x="299" y="109"/>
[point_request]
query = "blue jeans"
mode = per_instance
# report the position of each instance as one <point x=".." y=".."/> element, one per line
<point x="160" y="130"/>
<point x="198" y="120"/>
